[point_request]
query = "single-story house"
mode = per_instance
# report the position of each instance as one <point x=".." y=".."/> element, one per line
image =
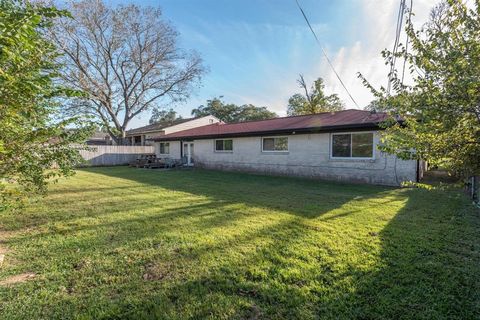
<point x="338" y="146"/>
<point x="140" y="136"/>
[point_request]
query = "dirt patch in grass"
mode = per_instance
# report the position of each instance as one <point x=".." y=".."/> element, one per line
<point x="156" y="271"/>
<point x="3" y="250"/>
<point x="4" y="236"/>
<point x="19" y="278"/>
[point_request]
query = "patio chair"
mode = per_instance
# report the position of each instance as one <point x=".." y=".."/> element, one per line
<point x="172" y="163"/>
<point x="178" y="162"/>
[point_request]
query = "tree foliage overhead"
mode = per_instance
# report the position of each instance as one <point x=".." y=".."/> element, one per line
<point x="231" y="112"/>
<point x="441" y="107"/>
<point x="375" y="105"/>
<point x="126" y="60"/>
<point x="313" y="100"/>
<point x="164" y="116"/>
<point x="30" y="140"/>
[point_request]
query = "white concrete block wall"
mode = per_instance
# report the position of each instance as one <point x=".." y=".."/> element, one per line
<point x="309" y="156"/>
<point x="175" y="150"/>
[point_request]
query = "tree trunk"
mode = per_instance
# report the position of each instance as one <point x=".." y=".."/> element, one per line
<point x="123" y="138"/>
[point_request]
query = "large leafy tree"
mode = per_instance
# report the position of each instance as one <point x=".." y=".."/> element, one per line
<point x="441" y="106"/>
<point x="126" y="59"/>
<point x="313" y="99"/>
<point x="31" y="142"/>
<point x="164" y="116"/>
<point x="229" y="112"/>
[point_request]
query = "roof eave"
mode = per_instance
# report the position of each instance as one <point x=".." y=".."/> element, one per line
<point x="361" y="127"/>
<point x="180" y="121"/>
<point x="142" y="132"/>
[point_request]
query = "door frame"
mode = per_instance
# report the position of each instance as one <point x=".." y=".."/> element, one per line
<point x="189" y="144"/>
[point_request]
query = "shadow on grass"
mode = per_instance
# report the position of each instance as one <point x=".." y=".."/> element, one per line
<point x="202" y="260"/>
<point x="428" y="268"/>
<point x="302" y="197"/>
<point x="429" y="260"/>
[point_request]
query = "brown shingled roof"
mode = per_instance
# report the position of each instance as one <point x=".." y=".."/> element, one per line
<point x="320" y="122"/>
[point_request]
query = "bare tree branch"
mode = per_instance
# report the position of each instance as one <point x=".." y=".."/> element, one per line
<point x="125" y="59"/>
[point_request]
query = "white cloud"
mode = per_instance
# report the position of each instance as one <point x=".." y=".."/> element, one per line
<point x="378" y="22"/>
<point x="270" y="83"/>
<point x="375" y="26"/>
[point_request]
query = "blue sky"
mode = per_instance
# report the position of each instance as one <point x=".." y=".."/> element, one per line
<point x="255" y="49"/>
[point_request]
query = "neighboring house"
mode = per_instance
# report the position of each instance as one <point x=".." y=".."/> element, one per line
<point x="140" y="136"/>
<point x="338" y="146"/>
<point x="100" y="139"/>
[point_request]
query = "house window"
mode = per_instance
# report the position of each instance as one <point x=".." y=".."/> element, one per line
<point x="224" y="145"/>
<point x="164" y="147"/>
<point x="279" y="144"/>
<point x="352" y="145"/>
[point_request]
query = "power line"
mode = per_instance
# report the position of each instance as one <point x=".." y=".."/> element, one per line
<point x="325" y="53"/>
<point x="406" y="42"/>
<point x="396" y="44"/>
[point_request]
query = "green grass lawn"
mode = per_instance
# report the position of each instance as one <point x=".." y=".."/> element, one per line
<point x="115" y="243"/>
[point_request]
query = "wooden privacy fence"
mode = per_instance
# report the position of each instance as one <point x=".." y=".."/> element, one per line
<point x="113" y="155"/>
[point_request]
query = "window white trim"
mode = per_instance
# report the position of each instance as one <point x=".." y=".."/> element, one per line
<point x="165" y="144"/>
<point x="276" y="151"/>
<point x="221" y="151"/>
<point x="374" y="147"/>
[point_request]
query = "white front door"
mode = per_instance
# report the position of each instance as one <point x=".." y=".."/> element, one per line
<point x="188" y="152"/>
